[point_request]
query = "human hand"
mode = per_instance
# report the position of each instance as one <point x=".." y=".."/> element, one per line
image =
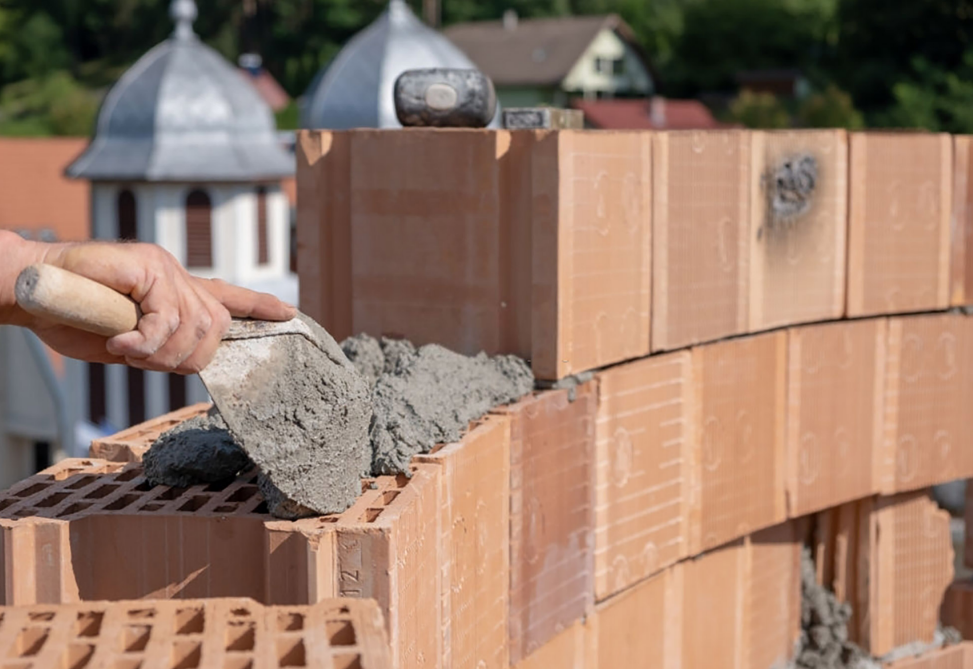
<point x="183" y="317"/>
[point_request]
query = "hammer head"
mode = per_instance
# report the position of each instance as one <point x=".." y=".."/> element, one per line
<point x="444" y="98"/>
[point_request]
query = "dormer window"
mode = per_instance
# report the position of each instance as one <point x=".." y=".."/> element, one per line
<point x="199" y="230"/>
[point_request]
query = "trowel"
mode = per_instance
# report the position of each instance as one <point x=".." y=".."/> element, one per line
<point x="286" y="391"/>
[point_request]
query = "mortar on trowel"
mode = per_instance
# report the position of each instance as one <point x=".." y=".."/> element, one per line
<point x="286" y="391"/>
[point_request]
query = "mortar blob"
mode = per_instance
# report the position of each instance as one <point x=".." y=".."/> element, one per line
<point x="199" y="450"/>
<point x="790" y="190"/>
<point x="429" y="395"/>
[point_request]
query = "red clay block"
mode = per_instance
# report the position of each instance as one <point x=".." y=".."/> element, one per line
<point x="643" y="470"/>
<point x="701" y="245"/>
<point x="961" y="230"/>
<point x="959" y="656"/>
<point x="641" y="626"/>
<point x="567" y="650"/>
<point x="475" y="545"/>
<point x="772" y="620"/>
<point x="835" y="412"/>
<point x="929" y="380"/>
<point x="391" y="553"/>
<point x="957" y="609"/>
<point x="131" y="444"/>
<point x="552" y="443"/>
<point x="202" y="634"/>
<point x="893" y="562"/>
<point x="738" y="449"/>
<point x="899" y="222"/>
<point x="797" y="256"/>
<point x="968" y="522"/>
<point x="591" y="250"/>
<point x="714" y="592"/>
<point x="323" y="229"/>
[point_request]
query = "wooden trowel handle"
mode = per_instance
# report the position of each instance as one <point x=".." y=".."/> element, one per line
<point x="76" y="301"/>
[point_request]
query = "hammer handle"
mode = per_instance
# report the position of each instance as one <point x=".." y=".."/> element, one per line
<point x="76" y="301"/>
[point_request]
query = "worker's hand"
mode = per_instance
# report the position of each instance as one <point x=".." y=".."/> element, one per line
<point x="183" y="317"/>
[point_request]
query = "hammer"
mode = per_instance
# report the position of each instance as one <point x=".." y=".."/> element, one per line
<point x="444" y="98"/>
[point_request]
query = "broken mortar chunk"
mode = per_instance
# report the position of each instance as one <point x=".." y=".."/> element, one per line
<point x="790" y="189"/>
<point x="199" y="450"/>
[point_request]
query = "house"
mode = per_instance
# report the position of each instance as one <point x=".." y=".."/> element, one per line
<point x="655" y="113"/>
<point x="40" y="391"/>
<point x="784" y="83"/>
<point x="355" y="89"/>
<point x="549" y="61"/>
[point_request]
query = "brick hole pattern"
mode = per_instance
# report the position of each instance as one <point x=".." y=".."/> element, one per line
<point x="223" y="632"/>
<point x="76" y="488"/>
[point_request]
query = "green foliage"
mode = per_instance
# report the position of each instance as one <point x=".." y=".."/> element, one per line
<point x="289" y="118"/>
<point x="831" y="108"/>
<point x="759" y="110"/>
<point x="55" y="104"/>
<point x="933" y="98"/>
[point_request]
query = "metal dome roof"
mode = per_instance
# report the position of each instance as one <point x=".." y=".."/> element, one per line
<point x="355" y="89"/>
<point x="183" y="113"/>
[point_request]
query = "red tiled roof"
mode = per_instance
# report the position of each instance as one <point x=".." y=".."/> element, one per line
<point x="637" y="114"/>
<point x="268" y="89"/>
<point x="35" y="194"/>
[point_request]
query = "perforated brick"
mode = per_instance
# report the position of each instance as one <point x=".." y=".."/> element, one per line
<point x="929" y="379"/>
<point x="739" y="438"/>
<point x="131" y="444"/>
<point x="195" y="634"/>
<point x="701" y="244"/>
<point x="533" y="243"/>
<point x="568" y="649"/>
<point x="835" y="412"/>
<point x="90" y="530"/>
<point x="772" y="613"/>
<point x="797" y="248"/>
<point x="893" y="561"/>
<point x="643" y="470"/>
<point x="475" y="545"/>
<point x="899" y="222"/>
<point x="552" y="444"/>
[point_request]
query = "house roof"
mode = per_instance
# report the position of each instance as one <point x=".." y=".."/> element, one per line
<point x="637" y="114"/>
<point x="182" y="113"/>
<point x="268" y="88"/>
<point x="535" y="51"/>
<point x="34" y="193"/>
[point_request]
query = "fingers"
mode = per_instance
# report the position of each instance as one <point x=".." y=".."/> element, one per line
<point x="243" y="303"/>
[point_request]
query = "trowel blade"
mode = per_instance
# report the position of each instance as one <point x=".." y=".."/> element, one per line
<point x="297" y="406"/>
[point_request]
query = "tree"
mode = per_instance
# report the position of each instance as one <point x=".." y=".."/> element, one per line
<point x="832" y="108"/>
<point x="933" y="98"/>
<point x="759" y="110"/>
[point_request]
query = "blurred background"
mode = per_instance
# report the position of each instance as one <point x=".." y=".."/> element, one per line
<point x="760" y="63"/>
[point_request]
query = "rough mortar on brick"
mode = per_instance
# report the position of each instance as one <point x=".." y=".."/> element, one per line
<point x="200" y="450"/>
<point x="429" y="395"/>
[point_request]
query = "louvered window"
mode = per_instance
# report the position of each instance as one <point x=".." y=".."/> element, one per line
<point x="199" y="230"/>
<point x="127" y="215"/>
<point x="263" y="250"/>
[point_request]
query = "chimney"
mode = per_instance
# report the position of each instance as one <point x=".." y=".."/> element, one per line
<point x="431" y="13"/>
<point x="251" y="62"/>
<point x="657" y="111"/>
<point x="510" y="20"/>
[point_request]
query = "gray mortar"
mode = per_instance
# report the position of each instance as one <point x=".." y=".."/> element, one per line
<point x="308" y="432"/>
<point x="824" y="640"/>
<point x="200" y="450"/>
<point x="789" y="189"/>
<point x="278" y="504"/>
<point x="429" y="395"/>
<point x="365" y="353"/>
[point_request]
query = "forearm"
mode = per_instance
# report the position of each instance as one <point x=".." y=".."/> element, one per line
<point x="16" y="253"/>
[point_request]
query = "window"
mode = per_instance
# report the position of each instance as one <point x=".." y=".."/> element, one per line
<point x="42" y="455"/>
<point x="136" y="396"/>
<point x="612" y="66"/>
<point x="199" y="230"/>
<point x="127" y="215"/>
<point x="618" y="67"/>
<point x="177" y="391"/>
<point x="97" y="403"/>
<point x="263" y="252"/>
